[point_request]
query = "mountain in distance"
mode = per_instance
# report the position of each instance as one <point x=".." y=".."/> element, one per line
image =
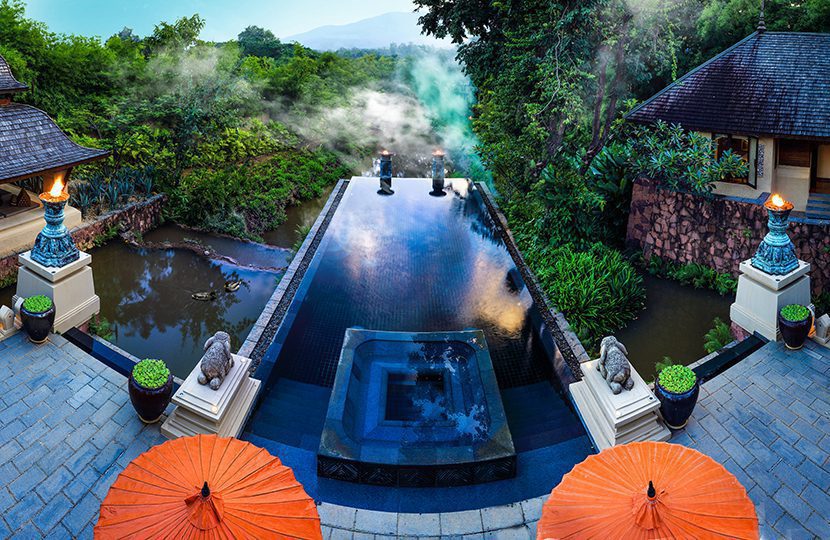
<point x="372" y="33"/>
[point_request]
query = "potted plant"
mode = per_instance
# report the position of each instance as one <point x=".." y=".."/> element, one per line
<point x="795" y="321"/>
<point x="38" y="316"/>
<point x="151" y="387"/>
<point x="677" y="388"/>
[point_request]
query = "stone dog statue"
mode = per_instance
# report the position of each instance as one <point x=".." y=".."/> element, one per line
<point x="613" y="365"/>
<point x="217" y="360"/>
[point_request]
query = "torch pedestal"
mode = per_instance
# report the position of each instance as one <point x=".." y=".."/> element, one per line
<point x="761" y="295"/>
<point x="70" y="287"/>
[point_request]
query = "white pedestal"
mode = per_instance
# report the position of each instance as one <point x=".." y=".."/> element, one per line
<point x="760" y="296"/>
<point x="70" y="287"/>
<point x="620" y="418"/>
<point x="199" y="409"/>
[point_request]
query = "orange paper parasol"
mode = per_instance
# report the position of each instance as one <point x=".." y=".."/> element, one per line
<point x="649" y="490"/>
<point x="207" y="487"/>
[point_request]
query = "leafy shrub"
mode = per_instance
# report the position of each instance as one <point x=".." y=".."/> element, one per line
<point x="822" y="303"/>
<point x="597" y="290"/>
<point x="681" y="160"/>
<point x="795" y="312"/>
<point x="151" y="374"/>
<point x="663" y="364"/>
<point x="697" y="275"/>
<point x="718" y="337"/>
<point x="37" y="304"/>
<point x="101" y="327"/>
<point x="677" y="379"/>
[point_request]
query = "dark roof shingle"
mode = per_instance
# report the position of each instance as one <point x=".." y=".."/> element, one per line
<point x="31" y="143"/>
<point x="771" y="83"/>
<point x="8" y="84"/>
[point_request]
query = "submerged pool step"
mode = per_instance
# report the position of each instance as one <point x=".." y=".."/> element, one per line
<point x="292" y="413"/>
<point x="538" y="416"/>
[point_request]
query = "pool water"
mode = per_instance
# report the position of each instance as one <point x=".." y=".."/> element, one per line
<point x="413" y="262"/>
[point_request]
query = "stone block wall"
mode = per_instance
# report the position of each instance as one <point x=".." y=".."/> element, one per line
<point x="718" y="233"/>
<point x="139" y="217"/>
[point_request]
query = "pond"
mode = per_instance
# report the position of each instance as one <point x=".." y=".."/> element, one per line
<point x="146" y="293"/>
<point x="673" y="324"/>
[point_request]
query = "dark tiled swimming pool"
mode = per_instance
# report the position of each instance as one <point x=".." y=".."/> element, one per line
<point x="412" y="262"/>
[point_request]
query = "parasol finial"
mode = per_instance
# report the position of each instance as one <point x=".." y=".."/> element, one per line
<point x="205" y="491"/>
<point x="651" y="491"/>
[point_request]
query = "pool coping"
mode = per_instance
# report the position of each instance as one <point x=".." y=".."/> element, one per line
<point x="270" y="320"/>
<point x="567" y="342"/>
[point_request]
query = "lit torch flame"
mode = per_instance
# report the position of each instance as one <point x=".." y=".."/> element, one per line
<point x="57" y="187"/>
<point x="778" y="200"/>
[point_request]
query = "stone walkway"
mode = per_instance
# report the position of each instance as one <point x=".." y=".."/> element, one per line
<point x="67" y="429"/>
<point x="767" y="420"/>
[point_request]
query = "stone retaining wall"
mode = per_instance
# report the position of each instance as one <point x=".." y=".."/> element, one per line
<point x="718" y="233"/>
<point x="140" y="217"/>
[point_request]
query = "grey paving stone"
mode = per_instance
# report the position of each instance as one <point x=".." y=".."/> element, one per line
<point x="26" y="482"/>
<point x="792" y="503"/>
<point x="790" y="476"/>
<point x="81" y="415"/>
<point x="818" y="524"/>
<point x="6" y="500"/>
<point x="419" y="524"/>
<point x="790" y="528"/>
<point x="79" y="486"/>
<point x="22" y="512"/>
<point x="54" y="483"/>
<point x="81" y="515"/>
<point x="502" y="517"/>
<point x="376" y="522"/>
<point x="27" y="532"/>
<point x="52" y="513"/>
<point x="818" y="498"/>
<point x="737" y="452"/>
<point x="466" y="522"/>
<point x="337" y="516"/>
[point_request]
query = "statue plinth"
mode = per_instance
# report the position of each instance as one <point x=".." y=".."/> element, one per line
<point x="200" y="409"/>
<point x="614" y="419"/>
<point x="761" y="296"/>
<point x="70" y="287"/>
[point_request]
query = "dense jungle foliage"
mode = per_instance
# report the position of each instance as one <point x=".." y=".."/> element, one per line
<point x="553" y="80"/>
<point x="200" y="121"/>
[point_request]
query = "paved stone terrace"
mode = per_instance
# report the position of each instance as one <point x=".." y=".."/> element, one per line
<point x="67" y="429"/>
<point x="767" y="420"/>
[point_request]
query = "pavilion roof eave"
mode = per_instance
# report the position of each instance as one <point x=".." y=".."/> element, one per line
<point x="61" y="167"/>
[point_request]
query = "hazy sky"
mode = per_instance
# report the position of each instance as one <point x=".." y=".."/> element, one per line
<point x="225" y="18"/>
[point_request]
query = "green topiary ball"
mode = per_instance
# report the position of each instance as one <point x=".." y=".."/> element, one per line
<point x="677" y="379"/>
<point x="151" y="374"/>
<point x="795" y="313"/>
<point x="37" y="304"/>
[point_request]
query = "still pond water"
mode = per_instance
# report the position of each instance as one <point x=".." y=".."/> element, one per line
<point x="146" y="295"/>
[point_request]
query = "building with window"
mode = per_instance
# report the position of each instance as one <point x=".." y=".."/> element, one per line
<point x="767" y="99"/>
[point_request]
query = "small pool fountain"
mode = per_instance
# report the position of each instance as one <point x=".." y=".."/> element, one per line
<point x="438" y="174"/>
<point x="414" y="410"/>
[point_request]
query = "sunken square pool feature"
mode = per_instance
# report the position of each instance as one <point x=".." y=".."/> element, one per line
<point x="415" y="409"/>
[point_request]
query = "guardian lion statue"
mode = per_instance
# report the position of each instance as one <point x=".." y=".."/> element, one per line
<point x="613" y="365"/>
<point x="217" y="360"/>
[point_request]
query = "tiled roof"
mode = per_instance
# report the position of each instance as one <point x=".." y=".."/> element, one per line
<point x="771" y="83"/>
<point x="8" y="84"/>
<point x="31" y="143"/>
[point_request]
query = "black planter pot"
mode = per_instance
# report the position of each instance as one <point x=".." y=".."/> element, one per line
<point x="676" y="408"/>
<point x="150" y="403"/>
<point x="794" y="334"/>
<point x="38" y="325"/>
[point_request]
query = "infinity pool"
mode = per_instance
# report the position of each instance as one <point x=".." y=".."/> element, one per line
<point x="414" y="262"/>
